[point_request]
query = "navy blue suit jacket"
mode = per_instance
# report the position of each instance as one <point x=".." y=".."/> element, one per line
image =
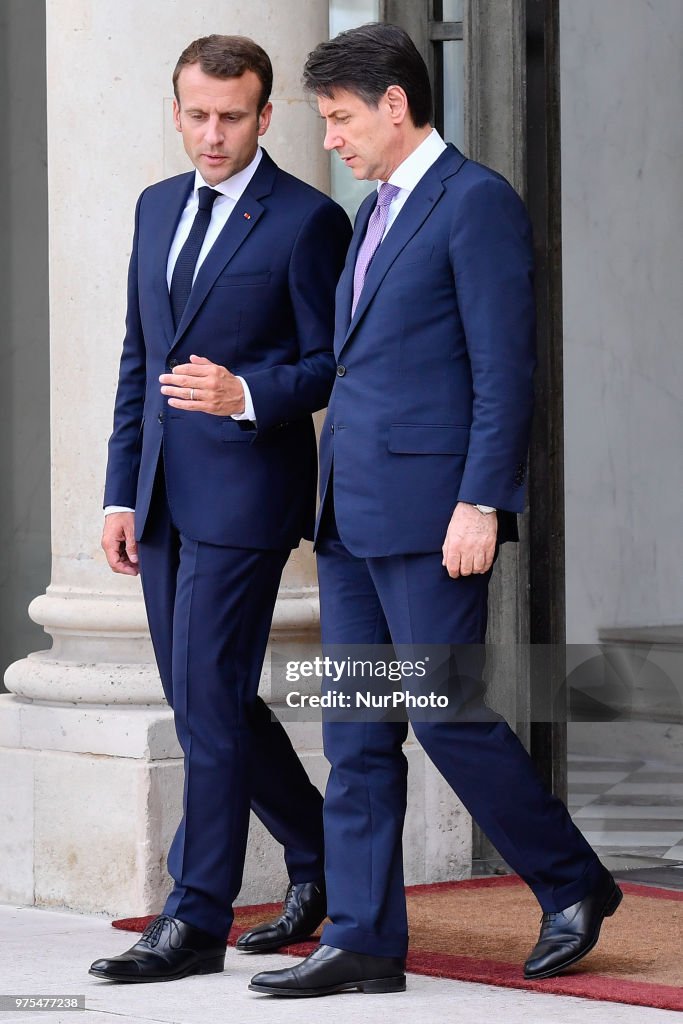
<point x="262" y="305"/>
<point x="432" y="403"/>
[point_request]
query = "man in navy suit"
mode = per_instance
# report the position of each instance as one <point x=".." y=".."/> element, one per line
<point x="211" y="482"/>
<point x="422" y="474"/>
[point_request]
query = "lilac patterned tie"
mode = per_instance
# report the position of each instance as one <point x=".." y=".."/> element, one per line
<point x="373" y="236"/>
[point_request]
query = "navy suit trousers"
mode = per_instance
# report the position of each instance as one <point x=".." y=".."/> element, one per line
<point x="210" y="611"/>
<point x="411" y="600"/>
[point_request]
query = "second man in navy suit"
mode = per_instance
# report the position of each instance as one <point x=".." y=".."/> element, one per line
<point x="211" y="482"/>
<point x="423" y="459"/>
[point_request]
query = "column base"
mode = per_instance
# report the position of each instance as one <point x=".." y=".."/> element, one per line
<point x="90" y="799"/>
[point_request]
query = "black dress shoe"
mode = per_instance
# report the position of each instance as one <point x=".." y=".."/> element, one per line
<point x="567" y="935"/>
<point x="169" y="949"/>
<point x="304" y="908"/>
<point x="328" y="970"/>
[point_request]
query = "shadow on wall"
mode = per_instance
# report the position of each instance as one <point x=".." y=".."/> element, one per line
<point x="24" y="337"/>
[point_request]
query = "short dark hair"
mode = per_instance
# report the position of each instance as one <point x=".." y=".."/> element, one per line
<point x="228" y="57"/>
<point x="366" y="61"/>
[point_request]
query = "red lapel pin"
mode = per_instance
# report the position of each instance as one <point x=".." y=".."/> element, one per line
<point x="247" y="216"/>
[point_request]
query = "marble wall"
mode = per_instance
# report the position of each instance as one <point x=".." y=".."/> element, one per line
<point x="622" y="211"/>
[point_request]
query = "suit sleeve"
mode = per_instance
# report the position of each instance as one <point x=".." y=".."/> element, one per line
<point x="492" y="259"/>
<point x="285" y="392"/>
<point x="125" y="443"/>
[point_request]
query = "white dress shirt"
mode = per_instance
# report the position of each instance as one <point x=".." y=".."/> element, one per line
<point x="411" y="171"/>
<point x="231" y="191"/>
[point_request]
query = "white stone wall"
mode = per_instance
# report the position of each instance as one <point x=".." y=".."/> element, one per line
<point x="622" y="213"/>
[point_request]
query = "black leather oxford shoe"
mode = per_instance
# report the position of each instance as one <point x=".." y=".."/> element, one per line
<point x="169" y="949"/>
<point x="329" y="970"/>
<point x="567" y="935"/>
<point x="304" y="908"/>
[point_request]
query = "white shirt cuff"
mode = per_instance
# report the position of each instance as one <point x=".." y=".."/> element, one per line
<point x="108" y="509"/>
<point x="248" y="413"/>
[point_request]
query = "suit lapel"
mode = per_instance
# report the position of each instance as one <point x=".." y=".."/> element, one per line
<point x="418" y="206"/>
<point x="165" y="222"/>
<point x="237" y="228"/>
<point x="344" y="298"/>
<point x="241" y="222"/>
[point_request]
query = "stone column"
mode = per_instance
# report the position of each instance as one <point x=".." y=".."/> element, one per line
<point x="90" y="770"/>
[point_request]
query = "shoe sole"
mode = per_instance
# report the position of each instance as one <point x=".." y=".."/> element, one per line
<point x="372" y="986"/>
<point x="270" y="947"/>
<point x="610" y="908"/>
<point x="216" y="965"/>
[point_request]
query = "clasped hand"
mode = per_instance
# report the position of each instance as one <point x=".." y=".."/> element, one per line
<point x="203" y="386"/>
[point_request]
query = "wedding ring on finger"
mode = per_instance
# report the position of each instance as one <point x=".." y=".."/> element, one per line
<point x="192" y="394"/>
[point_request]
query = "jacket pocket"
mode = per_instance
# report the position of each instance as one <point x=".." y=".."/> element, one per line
<point x="416" y="254"/>
<point x="240" y="431"/>
<point x="428" y="439"/>
<point x="242" y="280"/>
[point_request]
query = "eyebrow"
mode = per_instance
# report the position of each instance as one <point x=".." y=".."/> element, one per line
<point x="222" y="113"/>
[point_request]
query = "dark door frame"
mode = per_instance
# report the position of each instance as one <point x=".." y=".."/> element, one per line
<point x="513" y="111"/>
<point x="547" y="610"/>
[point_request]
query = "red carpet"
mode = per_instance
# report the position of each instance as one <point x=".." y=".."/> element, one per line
<point x="482" y="930"/>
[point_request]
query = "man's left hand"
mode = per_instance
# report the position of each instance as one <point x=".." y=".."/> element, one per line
<point x="203" y="386"/>
<point x="470" y="542"/>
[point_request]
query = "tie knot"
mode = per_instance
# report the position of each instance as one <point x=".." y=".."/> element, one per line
<point x="387" y="193"/>
<point x="207" y="197"/>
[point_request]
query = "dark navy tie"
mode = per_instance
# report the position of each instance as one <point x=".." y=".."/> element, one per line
<point x="183" y="272"/>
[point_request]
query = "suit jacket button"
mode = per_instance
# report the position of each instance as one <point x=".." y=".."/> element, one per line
<point x="160" y="417"/>
<point x="332" y="428"/>
<point x="341" y="370"/>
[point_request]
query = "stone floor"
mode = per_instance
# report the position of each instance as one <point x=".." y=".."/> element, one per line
<point x="48" y="953"/>
<point x="625" y="808"/>
<point x="628" y="807"/>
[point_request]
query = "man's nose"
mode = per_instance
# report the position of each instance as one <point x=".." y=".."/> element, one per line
<point x="332" y="139"/>
<point x="214" y="131"/>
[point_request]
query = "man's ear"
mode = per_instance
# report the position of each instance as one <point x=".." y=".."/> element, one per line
<point x="264" y="119"/>
<point x="176" y="115"/>
<point x="397" y="101"/>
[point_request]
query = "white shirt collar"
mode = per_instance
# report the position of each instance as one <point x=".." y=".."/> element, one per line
<point x="235" y="185"/>
<point x="415" y="166"/>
